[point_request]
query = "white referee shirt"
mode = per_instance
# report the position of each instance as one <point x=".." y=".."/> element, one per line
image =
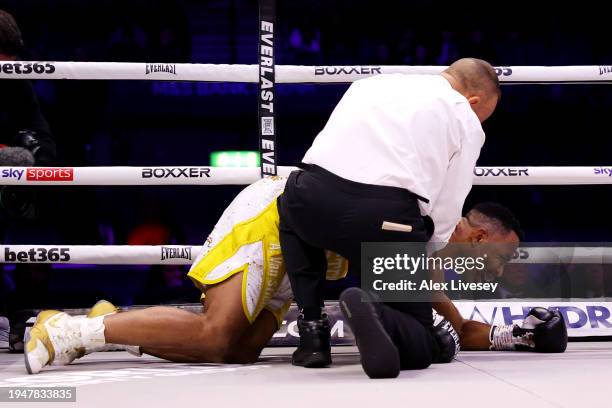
<point x="410" y="131"/>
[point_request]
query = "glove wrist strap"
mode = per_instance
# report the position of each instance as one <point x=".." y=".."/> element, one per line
<point x="511" y="337"/>
<point x="502" y="338"/>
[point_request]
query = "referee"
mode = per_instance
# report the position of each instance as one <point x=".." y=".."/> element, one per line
<point x="395" y="149"/>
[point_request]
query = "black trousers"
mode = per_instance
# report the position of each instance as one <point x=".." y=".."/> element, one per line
<point x="413" y="339"/>
<point x="319" y="210"/>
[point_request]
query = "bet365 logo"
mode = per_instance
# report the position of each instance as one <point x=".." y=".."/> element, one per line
<point x="27" y="67"/>
<point x="37" y="255"/>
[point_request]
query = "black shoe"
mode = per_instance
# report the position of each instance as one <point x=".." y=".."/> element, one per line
<point x="19" y="322"/>
<point x="314" y="350"/>
<point x="379" y="356"/>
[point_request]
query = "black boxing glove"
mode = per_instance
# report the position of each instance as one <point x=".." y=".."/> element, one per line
<point x="28" y="139"/>
<point x="447" y="339"/>
<point x="39" y="143"/>
<point x="543" y="331"/>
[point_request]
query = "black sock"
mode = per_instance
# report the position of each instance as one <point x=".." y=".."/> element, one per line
<point x="311" y="313"/>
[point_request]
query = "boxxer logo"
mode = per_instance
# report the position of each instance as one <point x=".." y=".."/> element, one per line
<point x="176" y="172"/>
<point x="501" y="171"/>
<point x="347" y="70"/>
<point x="503" y="71"/>
<point x="520" y="253"/>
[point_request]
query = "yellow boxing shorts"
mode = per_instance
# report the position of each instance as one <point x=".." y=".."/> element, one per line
<point x="245" y="239"/>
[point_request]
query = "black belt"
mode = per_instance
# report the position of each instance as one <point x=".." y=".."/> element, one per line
<point x="370" y="190"/>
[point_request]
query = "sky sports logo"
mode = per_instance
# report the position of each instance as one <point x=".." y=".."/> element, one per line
<point x="39" y="174"/>
<point x="11" y="173"/>
<point x="603" y="171"/>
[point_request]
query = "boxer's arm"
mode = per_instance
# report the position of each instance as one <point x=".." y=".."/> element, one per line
<point x="473" y="335"/>
<point x="543" y="330"/>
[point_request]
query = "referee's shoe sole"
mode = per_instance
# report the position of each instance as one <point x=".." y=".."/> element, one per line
<point x="379" y="356"/>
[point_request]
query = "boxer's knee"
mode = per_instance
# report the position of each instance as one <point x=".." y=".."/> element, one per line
<point x="214" y="340"/>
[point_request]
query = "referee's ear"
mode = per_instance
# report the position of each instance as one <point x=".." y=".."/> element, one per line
<point x="474" y="100"/>
<point x="482" y="106"/>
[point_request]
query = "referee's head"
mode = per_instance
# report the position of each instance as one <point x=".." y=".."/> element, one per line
<point x="477" y="81"/>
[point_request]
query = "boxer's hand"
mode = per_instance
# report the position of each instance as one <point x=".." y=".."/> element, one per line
<point x="547" y="328"/>
<point x="447" y="339"/>
<point x="543" y="330"/>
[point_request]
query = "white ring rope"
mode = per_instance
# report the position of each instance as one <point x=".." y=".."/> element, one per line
<point x="100" y="254"/>
<point x="284" y="73"/>
<point x="185" y="255"/>
<point x="185" y="175"/>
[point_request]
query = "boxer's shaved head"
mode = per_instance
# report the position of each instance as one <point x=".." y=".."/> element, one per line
<point x="492" y="232"/>
<point x="497" y="218"/>
<point x="488" y="221"/>
<point x="477" y="81"/>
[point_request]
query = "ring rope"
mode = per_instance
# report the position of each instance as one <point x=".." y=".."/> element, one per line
<point x="284" y="73"/>
<point x="186" y="254"/>
<point x="186" y="175"/>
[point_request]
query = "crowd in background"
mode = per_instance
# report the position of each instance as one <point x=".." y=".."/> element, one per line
<point x="534" y="125"/>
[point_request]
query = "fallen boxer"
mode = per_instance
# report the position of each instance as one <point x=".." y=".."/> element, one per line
<point x="246" y="294"/>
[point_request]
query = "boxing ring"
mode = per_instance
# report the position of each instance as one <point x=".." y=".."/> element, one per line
<point x="504" y="379"/>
